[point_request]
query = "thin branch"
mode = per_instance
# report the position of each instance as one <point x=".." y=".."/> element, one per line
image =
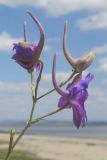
<point x="60" y="85"/>
<point x="47" y="115"/>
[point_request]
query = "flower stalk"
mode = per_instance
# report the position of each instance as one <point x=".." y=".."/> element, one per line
<point x="34" y="121"/>
<point x="34" y="89"/>
<point x="60" y="85"/>
<point x="10" y="144"/>
<point x="28" y="56"/>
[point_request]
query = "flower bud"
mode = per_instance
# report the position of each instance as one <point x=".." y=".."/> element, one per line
<point x="13" y="132"/>
<point x="85" y="61"/>
<point x="28" y="54"/>
<point x="81" y="63"/>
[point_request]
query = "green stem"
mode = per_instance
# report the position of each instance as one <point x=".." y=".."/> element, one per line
<point x="22" y="133"/>
<point x="10" y="144"/>
<point x="38" y="80"/>
<point x="32" y="122"/>
<point x="47" y="115"/>
<point x="19" y="137"/>
<point x="33" y="107"/>
<point x="34" y="99"/>
<point x="60" y="85"/>
<point x="32" y="86"/>
<point x="32" y="110"/>
<point x="33" y="95"/>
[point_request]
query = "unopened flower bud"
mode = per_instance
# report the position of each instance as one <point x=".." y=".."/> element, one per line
<point x="81" y="63"/>
<point x="85" y="61"/>
<point x="13" y="132"/>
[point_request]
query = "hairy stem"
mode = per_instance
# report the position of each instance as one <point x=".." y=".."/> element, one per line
<point x="34" y="89"/>
<point x="10" y="145"/>
<point x="47" y="115"/>
<point x="35" y="99"/>
<point x="34" y="121"/>
<point x="38" y="80"/>
<point x="25" y="128"/>
<point x="60" y="85"/>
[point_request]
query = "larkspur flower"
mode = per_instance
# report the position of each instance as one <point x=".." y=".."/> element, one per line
<point x="27" y="54"/>
<point x="81" y="63"/>
<point x="74" y="97"/>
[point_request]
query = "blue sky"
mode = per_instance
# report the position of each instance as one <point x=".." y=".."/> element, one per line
<point x="87" y="30"/>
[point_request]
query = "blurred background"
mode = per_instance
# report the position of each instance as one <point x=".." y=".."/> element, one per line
<point x="56" y="137"/>
<point x="87" y="30"/>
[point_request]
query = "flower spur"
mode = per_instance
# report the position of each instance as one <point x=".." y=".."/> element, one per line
<point x="27" y="54"/>
<point x="74" y="97"/>
<point x="81" y="63"/>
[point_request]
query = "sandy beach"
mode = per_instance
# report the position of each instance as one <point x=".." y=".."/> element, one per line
<point x="60" y="148"/>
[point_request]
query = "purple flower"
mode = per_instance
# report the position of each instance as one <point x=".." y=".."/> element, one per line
<point x="27" y="54"/>
<point x="81" y="63"/>
<point x="74" y="97"/>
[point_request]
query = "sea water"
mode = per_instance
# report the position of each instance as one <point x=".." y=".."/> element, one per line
<point x="58" y="128"/>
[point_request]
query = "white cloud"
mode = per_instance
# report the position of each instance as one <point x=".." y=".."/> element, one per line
<point x="96" y="104"/>
<point x="15" y="97"/>
<point x="95" y="21"/>
<point x="62" y="7"/>
<point x="24" y="87"/>
<point x="101" y="49"/>
<point x="17" y="104"/>
<point x="105" y="81"/>
<point x="59" y="7"/>
<point x="15" y="3"/>
<point x="99" y="95"/>
<point x="15" y="87"/>
<point x="60" y="76"/>
<point x="6" y="41"/>
<point x="47" y="48"/>
<point x="50" y="42"/>
<point x="102" y="65"/>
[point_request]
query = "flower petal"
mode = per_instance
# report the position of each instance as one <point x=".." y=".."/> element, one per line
<point x="79" y="114"/>
<point x="76" y="117"/>
<point x="38" y="66"/>
<point x="81" y="85"/>
<point x="62" y="102"/>
<point x="27" y="55"/>
<point x="86" y="81"/>
<point x="81" y="96"/>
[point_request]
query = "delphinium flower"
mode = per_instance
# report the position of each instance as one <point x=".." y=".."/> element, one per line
<point x="74" y="97"/>
<point x="81" y="63"/>
<point x="27" y="54"/>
